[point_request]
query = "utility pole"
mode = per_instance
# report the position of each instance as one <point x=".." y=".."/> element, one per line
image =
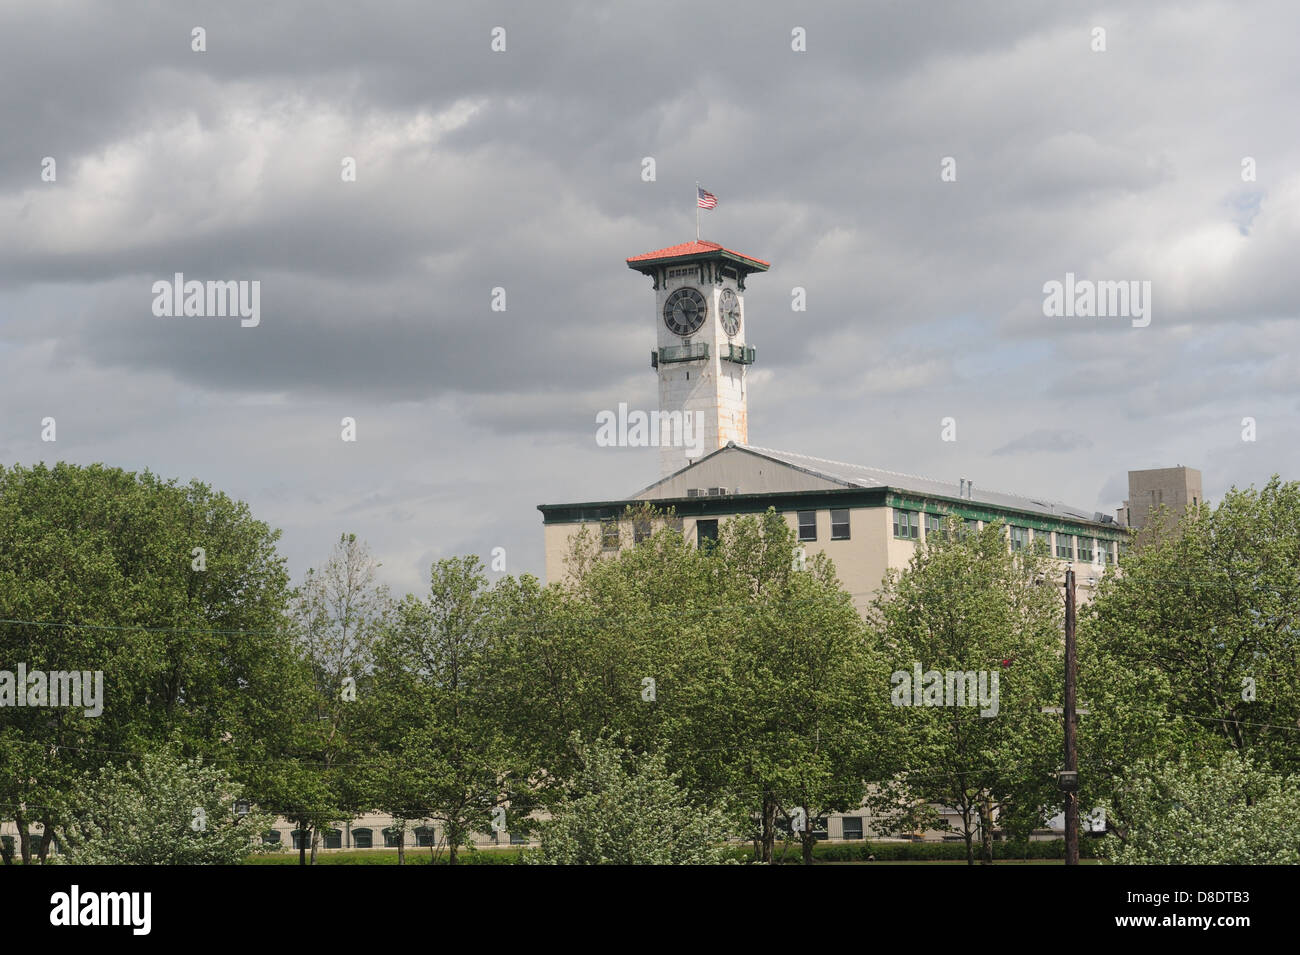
<point x="1070" y="778"/>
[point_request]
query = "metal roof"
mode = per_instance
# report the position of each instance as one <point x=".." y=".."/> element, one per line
<point x="858" y="475"/>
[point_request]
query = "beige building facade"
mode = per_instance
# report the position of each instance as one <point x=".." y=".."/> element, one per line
<point x="867" y="520"/>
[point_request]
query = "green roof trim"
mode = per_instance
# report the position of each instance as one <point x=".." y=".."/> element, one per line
<point x="989" y="513"/>
<point x="784" y="501"/>
<point x="719" y="506"/>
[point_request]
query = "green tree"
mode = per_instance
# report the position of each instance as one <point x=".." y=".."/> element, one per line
<point x="746" y="674"/>
<point x="1194" y="647"/>
<point x="625" y="809"/>
<point x="175" y="593"/>
<point x="803" y="724"/>
<point x="625" y="647"/>
<point x="967" y="604"/>
<point x="1227" y="812"/>
<point x="339" y="614"/>
<point x="161" y="810"/>
<point x="451" y="759"/>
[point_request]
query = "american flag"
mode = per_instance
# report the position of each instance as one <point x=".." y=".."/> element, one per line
<point x="705" y="199"/>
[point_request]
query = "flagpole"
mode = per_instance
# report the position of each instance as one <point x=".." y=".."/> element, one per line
<point x="697" y="210"/>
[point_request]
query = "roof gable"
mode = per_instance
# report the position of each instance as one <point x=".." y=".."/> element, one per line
<point x="753" y="470"/>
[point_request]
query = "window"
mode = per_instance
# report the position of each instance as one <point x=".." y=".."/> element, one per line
<point x="1122" y="551"/>
<point x="1019" y="538"/>
<point x="852" y="827"/>
<point x="333" y="838"/>
<point x="1064" y="546"/>
<point x="391" y="837"/>
<point x="807" y="525"/>
<point x="363" y="838"/>
<point x="640" y="530"/>
<point x="609" y="535"/>
<point x="1045" y="538"/>
<point x="969" y="527"/>
<point x="1085" y="548"/>
<point x="424" y="836"/>
<point x="933" y="524"/>
<point x="706" y="533"/>
<point x="272" y="837"/>
<point x="840" y="524"/>
<point x="818" y="827"/>
<point x="906" y="524"/>
<point x="300" y="840"/>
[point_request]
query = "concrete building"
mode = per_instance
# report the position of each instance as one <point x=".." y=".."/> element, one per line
<point x="866" y="519"/>
<point x="1148" y="491"/>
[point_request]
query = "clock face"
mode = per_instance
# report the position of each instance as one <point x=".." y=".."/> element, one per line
<point x="685" y="311"/>
<point x="729" y="311"/>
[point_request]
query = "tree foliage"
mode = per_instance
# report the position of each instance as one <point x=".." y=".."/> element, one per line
<point x="1227" y="812"/>
<point x="1195" y="647"/>
<point x="966" y="603"/>
<point x="627" y="809"/>
<point x="174" y="592"/>
<point x="161" y="810"/>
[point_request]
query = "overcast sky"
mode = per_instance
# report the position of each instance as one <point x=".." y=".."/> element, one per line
<point x="523" y="169"/>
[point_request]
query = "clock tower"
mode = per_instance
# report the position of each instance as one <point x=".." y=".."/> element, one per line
<point x="701" y="355"/>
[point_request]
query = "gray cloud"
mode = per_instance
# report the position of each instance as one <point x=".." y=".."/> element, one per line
<point x="522" y="170"/>
<point x="1052" y="441"/>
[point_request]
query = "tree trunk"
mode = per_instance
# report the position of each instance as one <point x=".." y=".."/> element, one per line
<point x="807" y="838"/>
<point x="986" y="826"/>
<point x="769" y="828"/>
<point x="302" y="845"/>
<point x="24" y="846"/>
<point x="47" y="837"/>
<point x="401" y="845"/>
<point x="313" y="845"/>
<point x="968" y="834"/>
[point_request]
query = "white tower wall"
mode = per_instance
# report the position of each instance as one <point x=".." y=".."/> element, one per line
<point x="712" y="390"/>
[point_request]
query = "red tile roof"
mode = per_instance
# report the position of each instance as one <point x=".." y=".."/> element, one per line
<point x="695" y="247"/>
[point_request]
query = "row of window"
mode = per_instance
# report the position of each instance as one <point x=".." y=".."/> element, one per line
<point x="907" y="526"/>
<point x="33" y="839"/>
<point x="641" y="530"/>
<point x="425" y="836"/>
<point x="706" y="529"/>
<point x="839" y="525"/>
